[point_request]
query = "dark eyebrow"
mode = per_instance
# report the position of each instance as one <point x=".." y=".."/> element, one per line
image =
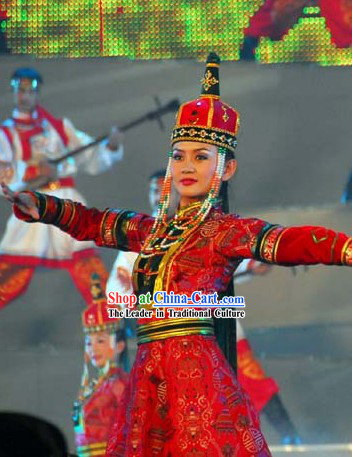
<point x="194" y="150"/>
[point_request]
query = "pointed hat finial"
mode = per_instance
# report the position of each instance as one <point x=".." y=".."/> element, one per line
<point x="210" y="81"/>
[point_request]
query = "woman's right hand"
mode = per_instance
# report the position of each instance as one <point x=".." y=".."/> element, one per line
<point x="24" y="201"/>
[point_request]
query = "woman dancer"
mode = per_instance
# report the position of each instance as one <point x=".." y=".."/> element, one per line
<point x="183" y="399"/>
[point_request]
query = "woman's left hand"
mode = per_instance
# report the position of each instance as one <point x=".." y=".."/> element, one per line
<point x="25" y="201"/>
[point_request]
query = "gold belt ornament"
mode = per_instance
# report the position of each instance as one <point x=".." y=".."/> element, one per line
<point x="91" y="450"/>
<point x="169" y="328"/>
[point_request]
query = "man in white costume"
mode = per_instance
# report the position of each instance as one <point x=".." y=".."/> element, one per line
<point x="28" y="140"/>
<point x="262" y="389"/>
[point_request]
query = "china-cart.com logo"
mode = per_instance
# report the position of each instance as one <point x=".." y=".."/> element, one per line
<point x="161" y="299"/>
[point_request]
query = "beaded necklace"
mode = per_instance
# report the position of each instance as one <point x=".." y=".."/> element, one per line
<point x="164" y="233"/>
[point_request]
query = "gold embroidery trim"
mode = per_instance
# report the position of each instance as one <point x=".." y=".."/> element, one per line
<point x="216" y="143"/>
<point x="216" y="129"/>
<point x="62" y="210"/>
<point x="208" y="80"/>
<point x="237" y="125"/>
<point x="237" y="114"/>
<point x="174" y="333"/>
<point x="277" y="244"/>
<point x="346" y="252"/>
<point x="108" y="236"/>
<point x="173" y="321"/>
<point x="101" y="228"/>
<point x="210" y="114"/>
<point x="202" y="327"/>
<point x="46" y="206"/>
<point x="216" y="97"/>
<point x="181" y="109"/>
<point x="106" y="233"/>
<point x="182" y="211"/>
<point x="114" y="230"/>
<point x="225" y="116"/>
<point x="333" y="248"/>
<point x="91" y="447"/>
<point x="264" y="239"/>
<point x="73" y="208"/>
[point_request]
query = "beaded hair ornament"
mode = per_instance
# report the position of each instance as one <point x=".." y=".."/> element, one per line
<point x="207" y="120"/>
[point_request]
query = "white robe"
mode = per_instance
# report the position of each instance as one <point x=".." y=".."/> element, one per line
<point x="43" y="241"/>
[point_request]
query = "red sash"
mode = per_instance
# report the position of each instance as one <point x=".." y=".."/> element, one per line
<point x="58" y="124"/>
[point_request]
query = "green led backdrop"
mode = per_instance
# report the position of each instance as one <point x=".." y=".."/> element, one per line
<point x="160" y="29"/>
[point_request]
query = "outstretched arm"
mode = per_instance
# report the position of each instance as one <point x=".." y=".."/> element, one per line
<point x="307" y="245"/>
<point x="120" y="229"/>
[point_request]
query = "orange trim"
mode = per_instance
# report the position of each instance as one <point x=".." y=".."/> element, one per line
<point x="73" y="209"/>
<point x="268" y="243"/>
<point x="216" y="97"/>
<point x="346" y="255"/>
<point x="61" y="182"/>
<point x="237" y="114"/>
<point x="179" y="113"/>
<point x="101" y="228"/>
<point x="210" y="114"/>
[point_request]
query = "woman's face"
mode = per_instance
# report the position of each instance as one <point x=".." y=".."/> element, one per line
<point x="100" y="347"/>
<point x="193" y="166"/>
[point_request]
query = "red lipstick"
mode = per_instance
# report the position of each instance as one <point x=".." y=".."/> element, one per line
<point x="187" y="181"/>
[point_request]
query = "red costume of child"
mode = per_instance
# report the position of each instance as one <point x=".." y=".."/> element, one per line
<point x="100" y="397"/>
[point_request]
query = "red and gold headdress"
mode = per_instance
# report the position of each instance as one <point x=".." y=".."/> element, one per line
<point x="96" y="318"/>
<point x="206" y="120"/>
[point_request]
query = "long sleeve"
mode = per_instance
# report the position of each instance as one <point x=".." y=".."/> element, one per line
<point x="307" y="245"/>
<point x="121" y="229"/>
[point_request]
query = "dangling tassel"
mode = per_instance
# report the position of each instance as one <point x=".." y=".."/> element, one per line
<point x="226" y="329"/>
<point x="162" y="213"/>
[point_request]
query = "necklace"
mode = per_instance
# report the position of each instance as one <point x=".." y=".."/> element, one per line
<point x="165" y="234"/>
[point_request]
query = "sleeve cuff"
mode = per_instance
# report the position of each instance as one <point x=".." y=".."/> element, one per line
<point x="346" y="257"/>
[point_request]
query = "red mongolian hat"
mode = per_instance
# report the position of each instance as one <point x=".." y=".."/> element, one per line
<point x="208" y="119"/>
<point x="96" y="318"/>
